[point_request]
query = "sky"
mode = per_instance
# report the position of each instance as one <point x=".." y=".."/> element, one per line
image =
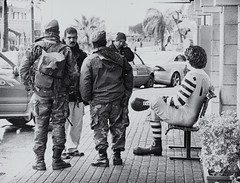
<point x="118" y="14"/>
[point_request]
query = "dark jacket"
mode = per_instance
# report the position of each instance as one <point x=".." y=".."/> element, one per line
<point x="34" y="52"/>
<point x="79" y="55"/>
<point x="126" y="52"/>
<point x="106" y="76"/>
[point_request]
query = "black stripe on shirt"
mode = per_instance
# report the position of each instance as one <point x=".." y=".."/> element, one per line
<point x="156" y="126"/>
<point x="186" y="88"/>
<point x="184" y="94"/>
<point x="190" y="83"/>
<point x="181" y="101"/>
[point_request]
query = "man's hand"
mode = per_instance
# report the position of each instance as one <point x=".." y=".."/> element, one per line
<point x="125" y="101"/>
<point x="27" y="88"/>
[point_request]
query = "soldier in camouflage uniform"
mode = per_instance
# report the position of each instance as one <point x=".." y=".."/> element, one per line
<point x="48" y="103"/>
<point x="106" y="83"/>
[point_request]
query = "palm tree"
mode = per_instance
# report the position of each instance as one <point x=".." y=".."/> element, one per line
<point x="86" y="27"/>
<point x="159" y="25"/>
<point x="154" y="25"/>
<point x="5" y="25"/>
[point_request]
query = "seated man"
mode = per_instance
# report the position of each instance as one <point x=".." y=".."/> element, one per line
<point x="182" y="109"/>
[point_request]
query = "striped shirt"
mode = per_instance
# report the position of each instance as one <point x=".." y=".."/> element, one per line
<point x="186" y="89"/>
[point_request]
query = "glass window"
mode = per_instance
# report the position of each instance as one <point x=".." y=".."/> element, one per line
<point x="137" y="60"/>
<point x="180" y="58"/>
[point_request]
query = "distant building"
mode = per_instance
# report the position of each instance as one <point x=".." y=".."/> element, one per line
<point x="19" y="24"/>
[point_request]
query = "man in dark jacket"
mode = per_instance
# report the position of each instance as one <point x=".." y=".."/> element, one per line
<point x="119" y="45"/>
<point x="106" y="83"/>
<point x="50" y="98"/>
<point x="76" y="106"/>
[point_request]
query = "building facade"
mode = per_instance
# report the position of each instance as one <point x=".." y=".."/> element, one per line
<point x="19" y="24"/>
<point x="221" y="39"/>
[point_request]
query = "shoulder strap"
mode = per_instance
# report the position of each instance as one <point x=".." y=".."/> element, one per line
<point x="59" y="47"/>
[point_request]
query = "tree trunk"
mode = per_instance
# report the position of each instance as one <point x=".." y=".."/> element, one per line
<point x="5" y="24"/>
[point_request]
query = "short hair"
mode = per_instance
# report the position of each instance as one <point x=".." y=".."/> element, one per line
<point x="196" y="56"/>
<point x="70" y="30"/>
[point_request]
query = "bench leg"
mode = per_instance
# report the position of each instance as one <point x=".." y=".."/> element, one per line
<point x="187" y="145"/>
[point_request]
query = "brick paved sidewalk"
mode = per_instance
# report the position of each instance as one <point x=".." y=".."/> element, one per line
<point x="149" y="169"/>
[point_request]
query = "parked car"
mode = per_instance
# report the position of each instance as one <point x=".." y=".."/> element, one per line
<point x="142" y="74"/>
<point x="169" y="67"/>
<point x="14" y="99"/>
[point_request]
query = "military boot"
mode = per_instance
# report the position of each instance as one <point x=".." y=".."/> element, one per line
<point x="155" y="149"/>
<point x="57" y="162"/>
<point x="39" y="164"/>
<point x="117" y="160"/>
<point x="102" y="161"/>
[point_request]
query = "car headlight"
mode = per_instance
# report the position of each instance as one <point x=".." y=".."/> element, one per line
<point x="158" y="68"/>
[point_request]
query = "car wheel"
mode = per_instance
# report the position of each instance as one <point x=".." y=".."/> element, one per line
<point x="175" y="80"/>
<point x="20" y="121"/>
<point x="150" y="82"/>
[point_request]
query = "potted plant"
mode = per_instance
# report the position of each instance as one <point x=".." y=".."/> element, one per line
<point x="220" y="138"/>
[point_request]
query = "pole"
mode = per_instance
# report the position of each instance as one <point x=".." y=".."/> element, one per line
<point x="2" y="26"/>
<point x="32" y="22"/>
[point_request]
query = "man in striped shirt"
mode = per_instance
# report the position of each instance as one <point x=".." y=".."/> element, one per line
<point x="182" y="109"/>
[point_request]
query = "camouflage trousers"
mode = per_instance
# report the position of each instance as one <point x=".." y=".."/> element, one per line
<point x="44" y="109"/>
<point x="109" y="117"/>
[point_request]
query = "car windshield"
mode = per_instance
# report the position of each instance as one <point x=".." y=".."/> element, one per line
<point x="4" y="64"/>
<point x="155" y="58"/>
<point x="12" y="56"/>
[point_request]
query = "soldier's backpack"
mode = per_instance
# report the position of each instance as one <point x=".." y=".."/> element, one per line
<point x="49" y="67"/>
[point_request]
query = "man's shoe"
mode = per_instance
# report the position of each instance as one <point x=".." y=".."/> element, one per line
<point x="58" y="164"/>
<point x="101" y="163"/>
<point x="39" y="165"/>
<point x="67" y="155"/>
<point x="157" y="151"/>
<point x="139" y="104"/>
<point x="117" y="160"/>
<point x="76" y="153"/>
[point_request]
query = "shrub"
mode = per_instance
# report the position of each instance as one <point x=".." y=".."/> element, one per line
<point x="220" y="138"/>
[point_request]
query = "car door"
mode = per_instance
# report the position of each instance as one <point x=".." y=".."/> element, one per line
<point x="13" y="96"/>
<point x="140" y="72"/>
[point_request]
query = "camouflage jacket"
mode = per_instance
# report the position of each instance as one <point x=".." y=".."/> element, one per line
<point x="105" y="76"/>
<point x="34" y="52"/>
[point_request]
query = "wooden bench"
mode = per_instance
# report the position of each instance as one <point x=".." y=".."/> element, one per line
<point x="188" y="130"/>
